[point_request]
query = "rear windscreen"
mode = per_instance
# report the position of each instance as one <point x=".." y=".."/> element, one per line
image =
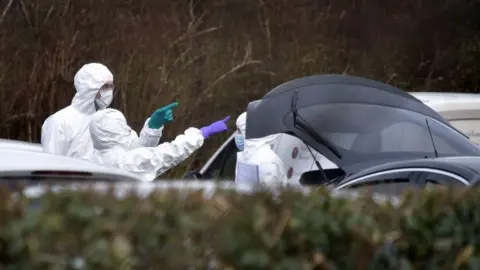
<point x="358" y="130"/>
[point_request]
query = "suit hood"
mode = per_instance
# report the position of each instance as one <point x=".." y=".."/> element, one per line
<point x="88" y="81"/>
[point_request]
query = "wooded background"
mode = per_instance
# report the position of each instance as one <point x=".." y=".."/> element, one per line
<point x="215" y="56"/>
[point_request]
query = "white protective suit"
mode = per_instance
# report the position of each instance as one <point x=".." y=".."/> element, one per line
<point x="112" y="138"/>
<point x="258" y="152"/>
<point x="66" y="132"/>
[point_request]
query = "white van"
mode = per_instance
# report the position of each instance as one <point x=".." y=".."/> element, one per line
<point x="462" y="110"/>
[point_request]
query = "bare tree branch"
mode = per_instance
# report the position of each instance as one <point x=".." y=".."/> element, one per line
<point x="4" y="12"/>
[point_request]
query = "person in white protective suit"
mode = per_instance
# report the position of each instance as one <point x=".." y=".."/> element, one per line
<point x="112" y="138"/>
<point x="66" y="132"/>
<point x="257" y="163"/>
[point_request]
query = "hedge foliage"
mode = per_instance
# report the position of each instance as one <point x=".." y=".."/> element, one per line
<point x="185" y="230"/>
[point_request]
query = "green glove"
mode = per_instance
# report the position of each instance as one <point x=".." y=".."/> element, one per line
<point x="162" y="116"/>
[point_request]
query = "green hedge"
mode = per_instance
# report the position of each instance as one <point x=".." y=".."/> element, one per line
<point x="179" y="230"/>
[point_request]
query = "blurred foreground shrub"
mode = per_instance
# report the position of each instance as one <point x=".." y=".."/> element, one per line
<point x="178" y="230"/>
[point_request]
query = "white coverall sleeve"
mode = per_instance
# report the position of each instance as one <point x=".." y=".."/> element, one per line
<point x="53" y="137"/>
<point x="149" y="137"/>
<point x="157" y="160"/>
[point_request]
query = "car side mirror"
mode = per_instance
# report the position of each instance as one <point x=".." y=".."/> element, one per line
<point x="192" y="175"/>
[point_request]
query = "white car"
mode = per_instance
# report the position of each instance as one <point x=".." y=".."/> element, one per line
<point x="20" y="145"/>
<point x="32" y="167"/>
<point x="462" y="110"/>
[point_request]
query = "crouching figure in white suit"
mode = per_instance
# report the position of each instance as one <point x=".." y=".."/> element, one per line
<point x="112" y="137"/>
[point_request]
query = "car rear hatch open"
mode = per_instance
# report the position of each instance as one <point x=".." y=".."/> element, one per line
<point x="355" y="122"/>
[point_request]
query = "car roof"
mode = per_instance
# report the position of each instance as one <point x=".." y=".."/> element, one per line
<point x="20" y="145"/>
<point x="20" y="162"/>
<point x="336" y="79"/>
<point x="443" y="96"/>
<point x="465" y="166"/>
<point x="326" y="98"/>
<point x="325" y="89"/>
<point x="452" y="106"/>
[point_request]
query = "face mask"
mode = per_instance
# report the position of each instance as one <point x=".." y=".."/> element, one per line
<point x="105" y="99"/>
<point x="239" y="141"/>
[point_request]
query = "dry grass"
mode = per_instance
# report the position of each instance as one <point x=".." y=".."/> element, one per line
<point x="215" y="56"/>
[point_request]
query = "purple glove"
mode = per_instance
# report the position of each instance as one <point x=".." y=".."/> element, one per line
<point x="215" y="127"/>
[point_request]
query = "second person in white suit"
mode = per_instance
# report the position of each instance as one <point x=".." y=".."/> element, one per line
<point x="257" y="163"/>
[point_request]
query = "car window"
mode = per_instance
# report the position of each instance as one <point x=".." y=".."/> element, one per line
<point x="223" y="166"/>
<point x="389" y="183"/>
<point x="442" y="179"/>
<point x="360" y="130"/>
<point x="445" y="144"/>
<point x="228" y="170"/>
<point x="470" y="127"/>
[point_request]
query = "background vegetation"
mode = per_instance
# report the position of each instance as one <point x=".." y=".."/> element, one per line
<point x="214" y="56"/>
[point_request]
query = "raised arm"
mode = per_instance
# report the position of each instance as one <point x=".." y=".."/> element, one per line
<point x="153" y="161"/>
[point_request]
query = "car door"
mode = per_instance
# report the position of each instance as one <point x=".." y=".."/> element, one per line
<point x="389" y="182"/>
<point x="222" y="164"/>
<point x="291" y="150"/>
<point x="435" y="177"/>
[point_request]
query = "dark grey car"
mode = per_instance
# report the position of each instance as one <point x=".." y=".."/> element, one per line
<point x="356" y="123"/>
<point x="394" y="177"/>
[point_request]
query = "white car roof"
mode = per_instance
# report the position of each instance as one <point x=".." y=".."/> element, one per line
<point x="22" y="163"/>
<point x="20" y="145"/>
<point x="427" y="97"/>
<point x="452" y="106"/>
